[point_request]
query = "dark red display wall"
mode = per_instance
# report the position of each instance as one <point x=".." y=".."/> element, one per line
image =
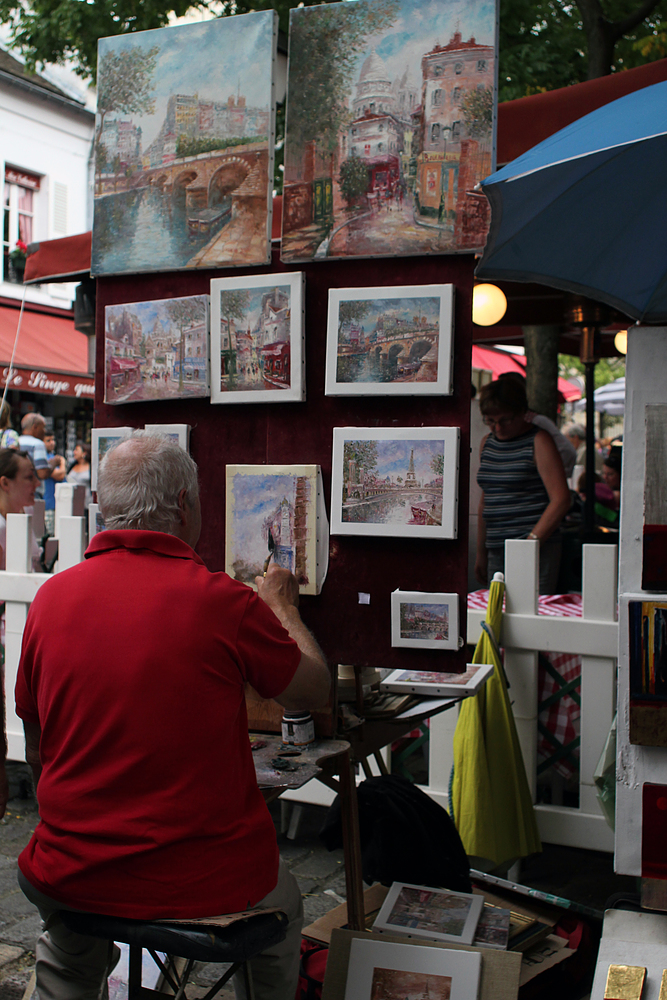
<point x="302" y="433"/>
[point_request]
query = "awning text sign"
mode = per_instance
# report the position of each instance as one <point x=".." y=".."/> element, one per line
<point x="47" y="383"/>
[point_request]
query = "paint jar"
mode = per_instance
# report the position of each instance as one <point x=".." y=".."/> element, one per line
<point x="298" y="728"/>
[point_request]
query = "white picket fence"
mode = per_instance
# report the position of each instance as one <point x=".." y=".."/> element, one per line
<point x="18" y="586"/>
<point x="595" y="637"/>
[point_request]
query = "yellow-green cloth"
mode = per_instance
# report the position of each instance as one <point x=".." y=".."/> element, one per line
<point x="491" y="801"/>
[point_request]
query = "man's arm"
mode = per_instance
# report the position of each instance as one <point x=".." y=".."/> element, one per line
<point x="33" y="734"/>
<point x="309" y="688"/>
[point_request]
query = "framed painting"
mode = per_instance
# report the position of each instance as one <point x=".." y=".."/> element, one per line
<point x="257" y="330"/>
<point x="102" y="439"/>
<point x="156" y="350"/>
<point x="390" y="129"/>
<point x="438" y="685"/>
<point x="654" y="548"/>
<point x="276" y="514"/>
<point x="390" y="341"/>
<point x="435" y="914"/>
<point x="395" y="481"/>
<point x="178" y="433"/>
<point x="184" y="145"/>
<point x="424" y="621"/>
<point x="378" y="970"/>
<point x="648" y="672"/>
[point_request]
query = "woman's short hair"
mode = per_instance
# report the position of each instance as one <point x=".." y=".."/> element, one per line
<point x="9" y="462"/>
<point x="503" y="395"/>
<point x="138" y="486"/>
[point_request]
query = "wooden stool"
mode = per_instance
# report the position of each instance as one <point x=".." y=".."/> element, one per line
<point x="243" y="937"/>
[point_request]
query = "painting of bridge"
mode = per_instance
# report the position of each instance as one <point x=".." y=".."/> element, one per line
<point x="395" y="481"/>
<point x="389" y="340"/>
<point x="184" y="146"/>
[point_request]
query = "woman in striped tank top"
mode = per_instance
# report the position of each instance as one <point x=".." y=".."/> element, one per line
<point x="524" y="491"/>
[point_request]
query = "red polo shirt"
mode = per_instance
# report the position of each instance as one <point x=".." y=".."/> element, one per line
<point x="134" y="664"/>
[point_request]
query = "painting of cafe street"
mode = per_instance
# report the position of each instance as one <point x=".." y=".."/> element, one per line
<point x="424" y="621"/>
<point x="393" y="482"/>
<point x="390" y="129"/>
<point x="156" y="350"/>
<point x="184" y="146"/>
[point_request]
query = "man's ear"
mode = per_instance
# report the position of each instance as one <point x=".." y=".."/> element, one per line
<point x="182" y="505"/>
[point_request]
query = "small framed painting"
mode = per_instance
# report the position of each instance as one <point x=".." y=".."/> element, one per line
<point x="178" y="433"/>
<point x="257" y="332"/>
<point x="95" y="520"/>
<point x="424" y="621"/>
<point x="434" y="914"/>
<point x="394" y="341"/>
<point x="276" y="513"/>
<point x="395" y="481"/>
<point x="102" y="439"/>
<point x="156" y="350"/>
<point x="438" y="685"/>
<point x="379" y="970"/>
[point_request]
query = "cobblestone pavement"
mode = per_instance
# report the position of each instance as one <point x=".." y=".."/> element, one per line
<point x="320" y="875"/>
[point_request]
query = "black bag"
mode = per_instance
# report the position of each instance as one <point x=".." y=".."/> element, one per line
<point x="405" y="836"/>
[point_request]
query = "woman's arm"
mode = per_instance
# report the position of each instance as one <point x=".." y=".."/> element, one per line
<point x="552" y="474"/>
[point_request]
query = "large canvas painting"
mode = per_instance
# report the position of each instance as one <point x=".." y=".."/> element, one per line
<point x="380" y="970"/>
<point x="156" y="350"/>
<point x="257" y="339"/>
<point x="184" y="146"/>
<point x="389" y="341"/>
<point x="395" y="481"/>
<point x="389" y="128"/>
<point x="273" y="515"/>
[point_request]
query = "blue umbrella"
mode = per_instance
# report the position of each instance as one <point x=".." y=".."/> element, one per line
<point x="586" y="210"/>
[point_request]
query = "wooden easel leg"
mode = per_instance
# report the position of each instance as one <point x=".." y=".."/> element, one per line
<point x="351" y="845"/>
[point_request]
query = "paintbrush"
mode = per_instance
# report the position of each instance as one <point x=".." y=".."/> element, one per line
<point x="272" y="546"/>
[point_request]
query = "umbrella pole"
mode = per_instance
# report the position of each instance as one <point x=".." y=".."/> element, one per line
<point x="588" y="336"/>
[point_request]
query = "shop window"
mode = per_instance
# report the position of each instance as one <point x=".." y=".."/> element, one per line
<point x="456" y="131"/>
<point x="436" y="97"/>
<point x="438" y="70"/>
<point x="456" y="95"/>
<point x="458" y="68"/>
<point x="380" y="147"/>
<point x="18" y="216"/>
<point x="482" y="65"/>
<point x="435" y="133"/>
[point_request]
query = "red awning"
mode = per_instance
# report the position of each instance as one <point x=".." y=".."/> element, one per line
<point x="498" y="362"/>
<point x="51" y="356"/>
<point x="65" y="259"/>
<point x="123" y="364"/>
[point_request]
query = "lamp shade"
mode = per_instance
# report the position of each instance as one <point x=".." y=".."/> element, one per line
<point x="621" y="341"/>
<point x="488" y="304"/>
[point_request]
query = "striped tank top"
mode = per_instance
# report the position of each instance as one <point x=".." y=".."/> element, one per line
<point x="514" y="494"/>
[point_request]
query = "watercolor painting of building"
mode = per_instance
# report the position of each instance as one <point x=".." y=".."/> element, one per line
<point x="272" y="512"/>
<point x="184" y="146"/>
<point x="390" y="130"/>
<point x="156" y="350"/>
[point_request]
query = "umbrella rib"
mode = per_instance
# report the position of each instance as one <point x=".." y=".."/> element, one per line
<point x="577" y="156"/>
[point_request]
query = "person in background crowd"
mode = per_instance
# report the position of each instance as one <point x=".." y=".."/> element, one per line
<point x="576" y="434"/>
<point x="606" y="509"/>
<point x="566" y="449"/>
<point x="611" y="474"/>
<point x="31" y="441"/>
<point x="8" y="438"/>
<point x="58" y="473"/>
<point x="79" y="471"/>
<point x="524" y="492"/>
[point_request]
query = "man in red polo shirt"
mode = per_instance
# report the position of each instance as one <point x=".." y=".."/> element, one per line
<point x="131" y="689"/>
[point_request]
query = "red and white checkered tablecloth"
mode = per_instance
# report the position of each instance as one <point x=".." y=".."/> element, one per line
<point x="561" y="718"/>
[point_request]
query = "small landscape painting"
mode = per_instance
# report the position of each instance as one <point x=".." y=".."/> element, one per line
<point x="395" y="481"/>
<point x="272" y="517"/>
<point x="184" y="146"/>
<point x="424" y="621"/>
<point x="102" y="439"/>
<point x="389" y="341"/>
<point x="392" y="984"/>
<point x="380" y="970"/>
<point x="390" y="127"/>
<point x="156" y="350"/>
<point x="257" y="339"/>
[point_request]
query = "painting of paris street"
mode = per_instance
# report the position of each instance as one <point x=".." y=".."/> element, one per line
<point x="389" y="340"/>
<point x="395" y="481"/>
<point x="257" y="339"/>
<point x="380" y="970"/>
<point x="390" y="129"/>
<point x="393" y="984"/>
<point x="184" y="146"/>
<point x="156" y="350"/>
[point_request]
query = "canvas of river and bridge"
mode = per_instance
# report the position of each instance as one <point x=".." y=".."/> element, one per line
<point x="388" y="131"/>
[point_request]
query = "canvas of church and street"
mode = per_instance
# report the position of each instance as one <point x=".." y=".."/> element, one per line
<point x="389" y="128"/>
<point x="184" y="143"/>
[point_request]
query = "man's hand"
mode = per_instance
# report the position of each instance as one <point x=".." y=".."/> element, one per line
<point x="278" y="589"/>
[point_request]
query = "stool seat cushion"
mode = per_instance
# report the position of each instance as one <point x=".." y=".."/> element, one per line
<point x="237" y="942"/>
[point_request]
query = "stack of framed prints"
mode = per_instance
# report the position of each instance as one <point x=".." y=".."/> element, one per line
<point x="433" y="914"/>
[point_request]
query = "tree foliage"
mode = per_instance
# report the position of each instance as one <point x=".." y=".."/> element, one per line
<point x="353" y="309"/>
<point x="477" y="111"/>
<point x="234" y="305"/>
<point x="353" y="179"/>
<point x="125" y="82"/>
<point x="364" y="453"/>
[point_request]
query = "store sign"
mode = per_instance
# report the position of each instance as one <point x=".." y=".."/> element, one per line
<point x="24" y="180"/>
<point x="48" y="383"/>
<point x="436" y="157"/>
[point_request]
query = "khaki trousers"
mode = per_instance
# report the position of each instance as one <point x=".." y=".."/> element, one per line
<point x="73" y="966"/>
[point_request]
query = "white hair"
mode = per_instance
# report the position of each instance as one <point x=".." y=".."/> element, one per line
<point x="575" y="430"/>
<point x="139" y="482"/>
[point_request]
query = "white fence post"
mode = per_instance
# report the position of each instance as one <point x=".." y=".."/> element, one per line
<point x="522" y="584"/>
<point x="71" y="543"/>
